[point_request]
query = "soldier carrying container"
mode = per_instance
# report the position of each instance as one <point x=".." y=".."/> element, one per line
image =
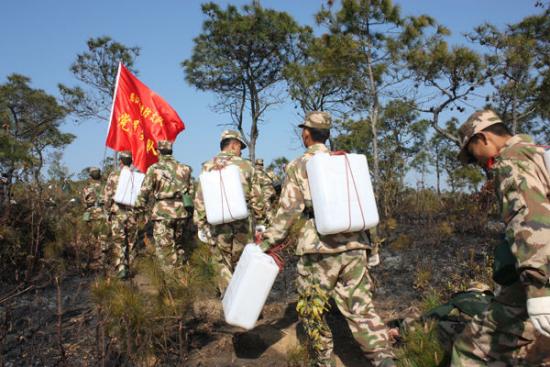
<point x="228" y="238"/>
<point x="329" y="266"/>
<point x="124" y="226"/>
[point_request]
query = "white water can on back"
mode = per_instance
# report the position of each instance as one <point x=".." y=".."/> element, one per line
<point x="129" y="184"/>
<point x="342" y="194"/>
<point x="223" y="195"/>
<point x="249" y="287"/>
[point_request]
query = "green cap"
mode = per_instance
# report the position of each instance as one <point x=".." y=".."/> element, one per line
<point x="125" y="154"/>
<point x="164" y="145"/>
<point x="478" y="121"/>
<point x="317" y="120"/>
<point x="232" y="134"/>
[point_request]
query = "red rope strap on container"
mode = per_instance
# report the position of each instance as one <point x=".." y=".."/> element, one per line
<point x="218" y="166"/>
<point x="349" y="173"/>
<point x="275" y="253"/>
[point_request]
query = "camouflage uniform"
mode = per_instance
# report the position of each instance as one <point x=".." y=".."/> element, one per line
<point x="94" y="218"/>
<point x="504" y="335"/>
<point x="335" y="264"/>
<point x="228" y="240"/>
<point x="265" y="183"/>
<point x="167" y="181"/>
<point x="124" y="226"/>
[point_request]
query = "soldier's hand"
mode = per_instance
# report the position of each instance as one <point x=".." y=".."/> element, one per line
<point x="259" y="234"/>
<point x="539" y="313"/>
<point x="373" y="260"/>
<point x="205" y="235"/>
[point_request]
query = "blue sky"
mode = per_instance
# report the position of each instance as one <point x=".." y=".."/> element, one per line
<point x="41" y="38"/>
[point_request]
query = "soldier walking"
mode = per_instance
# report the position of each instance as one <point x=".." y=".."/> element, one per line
<point x="332" y="266"/>
<point x="94" y="219"/>
<point x="515" y="329"/>
<point x="123" y="222"/>
<point x="267" y="190"/>
<point x="228" y="240"/>
<point x="166" y="182"/>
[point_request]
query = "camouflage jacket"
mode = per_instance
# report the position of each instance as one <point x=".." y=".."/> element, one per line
<point x="252" y="191"/>
<point x="295" y="198"/>
<point x="523" y="188"/>
<point x="267" y="192"/>
<point x="111" y="207"/>
<point x="93" y="199"/>
<point x="166" y="181"/>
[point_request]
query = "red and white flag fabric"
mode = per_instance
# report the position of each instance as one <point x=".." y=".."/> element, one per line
<point x="140" y="118"/>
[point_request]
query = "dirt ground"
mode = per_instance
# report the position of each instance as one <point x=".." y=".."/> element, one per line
<point x="35" y="331"/>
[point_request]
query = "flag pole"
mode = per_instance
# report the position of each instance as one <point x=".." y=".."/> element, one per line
<point x="112" y="111"/>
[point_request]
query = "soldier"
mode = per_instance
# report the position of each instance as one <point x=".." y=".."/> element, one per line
<point x="168" y="181"/>
<point x="94" y="218"/>
<point x="512" y="330"/>
<point x="265" y="183"/>
<point x="332" y="266"/>
<point x="228" y="240"/>
<point x="123" y="222"/>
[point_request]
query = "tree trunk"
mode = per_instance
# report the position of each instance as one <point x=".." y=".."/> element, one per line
<point x="375" y="160"/>
<point x="438" y="173"/>
<point x="514" y="114"/>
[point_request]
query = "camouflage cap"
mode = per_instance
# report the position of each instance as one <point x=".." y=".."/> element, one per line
<point x="93" y="170"/>
<point x="474" y="125"/>
<point x="317" y="120"/>
<point x="259" y="162"/>
<point x="164" y="145"/>
<point x="232" y="134"/>
<point x="475" y="286"/>
<point x="125" y="154"/>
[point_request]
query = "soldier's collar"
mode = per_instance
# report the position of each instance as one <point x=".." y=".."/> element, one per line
<point x="317" y="147"/>
<point x="226" y="154"/>
<point x="519" y="138"/>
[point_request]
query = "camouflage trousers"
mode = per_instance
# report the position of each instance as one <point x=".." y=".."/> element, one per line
<point x="124" y="231"/>
<point x="97" y="236"/>
<point x="502" y="335"/>
<point x="344" y="277"/>
<point x="230" y="240"/>
<point x="167" y="233"/>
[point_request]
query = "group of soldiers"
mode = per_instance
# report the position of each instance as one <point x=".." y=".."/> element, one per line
<point x="167" y="199"/>
<point x="337" y="266"/>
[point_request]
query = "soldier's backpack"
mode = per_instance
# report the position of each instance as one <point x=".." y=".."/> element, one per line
<point x="453" y="316"/>
<point x="341" y="192"/>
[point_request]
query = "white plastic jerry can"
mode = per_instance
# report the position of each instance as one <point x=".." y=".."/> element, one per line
<point x="129" y="184"/>
<point x="249" y="287"/>
<point x="547" y="160"/>
<point x="223" y="194"/>
<point x="342" y="194"/>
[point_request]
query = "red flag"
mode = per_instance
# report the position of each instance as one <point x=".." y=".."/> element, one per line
<point x="139" y="118"/>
